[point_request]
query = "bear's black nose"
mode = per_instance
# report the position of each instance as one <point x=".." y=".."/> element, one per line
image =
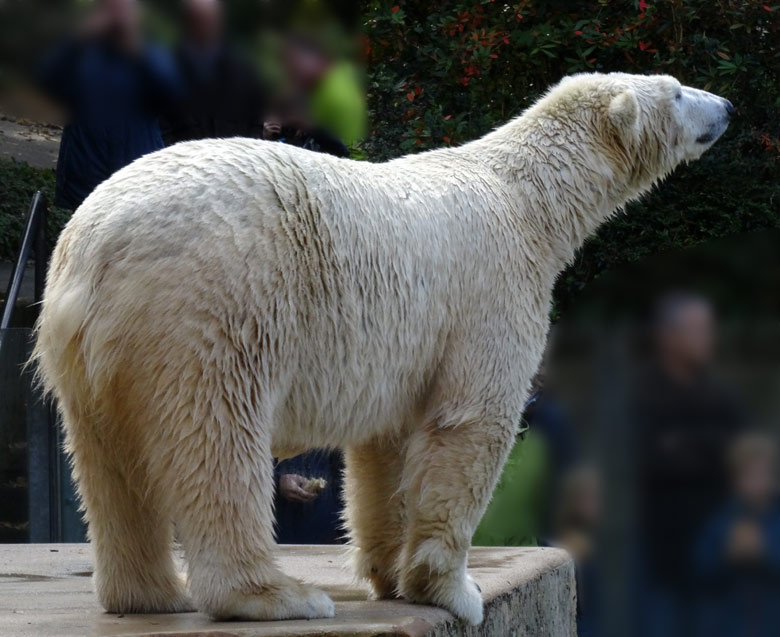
<point x="729" y="107"/>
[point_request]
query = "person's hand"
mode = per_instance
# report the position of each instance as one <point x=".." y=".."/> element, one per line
<point x="577" y="543"/>
<point x="291" y="488"/>
<point x="272" y="129"/>
<point x="745" y="543"/>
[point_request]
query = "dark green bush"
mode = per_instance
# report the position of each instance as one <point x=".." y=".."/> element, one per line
<point x="720" y="195"/>
<point x="18" y="183"/>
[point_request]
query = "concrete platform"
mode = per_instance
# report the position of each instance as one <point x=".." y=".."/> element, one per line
<point x="45" y="589"/>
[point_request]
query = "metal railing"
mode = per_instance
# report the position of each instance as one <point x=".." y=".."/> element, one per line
<point x="34" y="235"/>
<point x="52" y="514"/>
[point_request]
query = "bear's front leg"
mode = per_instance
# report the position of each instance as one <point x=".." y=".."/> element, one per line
<point x="374" y="512"/>
<point x="450" y="473"/>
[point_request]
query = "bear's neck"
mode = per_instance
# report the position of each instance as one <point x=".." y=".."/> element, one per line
<point x="564" y="183"/>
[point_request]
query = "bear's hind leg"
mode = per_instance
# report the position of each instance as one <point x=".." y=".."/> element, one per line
<point x="375" y="512"/>
<point x="222" y="473"/>
<point x="449" y="476"/>
<point x="130" y="531"/>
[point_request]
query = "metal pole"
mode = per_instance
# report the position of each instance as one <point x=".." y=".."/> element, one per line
<point x="18" y="272"/>
<point x="41" y="253"/>
<point x="40" y="469"/>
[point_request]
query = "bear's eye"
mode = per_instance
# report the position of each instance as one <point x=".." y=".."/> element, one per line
<point x="678" y="97"/>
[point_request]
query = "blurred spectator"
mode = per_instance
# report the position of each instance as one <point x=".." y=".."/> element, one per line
<point x="577" y="526"/>
<point x="308" y="511"/>
<point x="113" y="86"/>
<point x="322" y="107"/>
<point x="737" y="563"/>
<point x="223" y="94"/>
<point x="685" y="421"/>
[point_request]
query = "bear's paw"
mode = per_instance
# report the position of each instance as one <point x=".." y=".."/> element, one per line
<point x="290" y="600"/>
<point x="455" y="591"/>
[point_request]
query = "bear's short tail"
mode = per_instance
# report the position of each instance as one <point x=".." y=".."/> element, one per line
<point x="58" y="356"/>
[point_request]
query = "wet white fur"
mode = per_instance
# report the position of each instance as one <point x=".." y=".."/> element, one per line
<point x="220" y="302"/>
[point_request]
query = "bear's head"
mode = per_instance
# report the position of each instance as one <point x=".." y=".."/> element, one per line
<point x="647" y="124"/>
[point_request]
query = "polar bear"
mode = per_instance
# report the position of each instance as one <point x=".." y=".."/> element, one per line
<point x="223" y="302"/>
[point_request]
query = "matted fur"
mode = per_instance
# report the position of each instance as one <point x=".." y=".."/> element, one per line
<point x="221" y="302"/>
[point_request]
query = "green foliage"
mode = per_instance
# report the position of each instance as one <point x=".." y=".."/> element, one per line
<point x="18" y="183"/>
<point x="447" y="71"/>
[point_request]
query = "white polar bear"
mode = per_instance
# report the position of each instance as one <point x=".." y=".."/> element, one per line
<point x="219" y="303"/>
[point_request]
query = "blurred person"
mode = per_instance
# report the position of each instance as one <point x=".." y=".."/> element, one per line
<point x="223" y="93"/>
<point x="309" y="498"/>
<point x="737" y="558"/>
<point x="323" y="105"/>
<point x="113" y="86"/>
<point x="578" y="521"/>
<point x="685" y="420"/>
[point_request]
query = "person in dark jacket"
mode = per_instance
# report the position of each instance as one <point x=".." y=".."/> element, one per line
<point x="224" y="96"/>
<point x="686" y="418"/>
<point x="306" y="514"/>
<point x="113" y="87"/>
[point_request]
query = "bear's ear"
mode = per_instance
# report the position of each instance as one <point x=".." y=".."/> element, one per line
<point x="624" y="110"/>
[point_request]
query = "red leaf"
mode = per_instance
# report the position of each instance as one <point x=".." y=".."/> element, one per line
<point x="446" y="139"/>
<point x="410" y="96"/>
<point x="643" y="5"/>
<point x="395" y="9"/>
<point x="448" y="117"/>
<point x="766" y="7"/>
<point x="578" y="33"/>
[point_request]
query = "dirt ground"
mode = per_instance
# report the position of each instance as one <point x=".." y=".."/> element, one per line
<point x="32" y="142"/>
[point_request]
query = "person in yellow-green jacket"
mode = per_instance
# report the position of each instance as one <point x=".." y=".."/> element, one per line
<point x="323" y="106"/>
<point x="338" y="103"/>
